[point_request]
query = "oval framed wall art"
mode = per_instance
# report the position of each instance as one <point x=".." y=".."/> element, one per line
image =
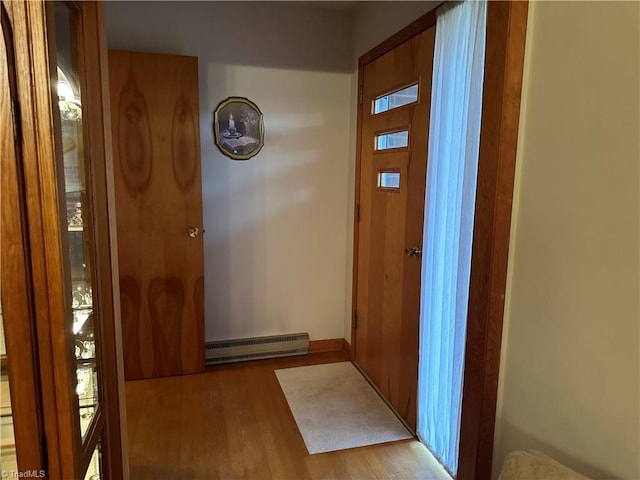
<point x="238" y="128"/>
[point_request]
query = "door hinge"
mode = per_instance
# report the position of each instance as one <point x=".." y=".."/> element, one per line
<point x="355" y="320"/>
<point x="358" y="213"/>
<point x="44" y="451"/>
<point x="17" y="125"/>
<point x="361" y="94"/>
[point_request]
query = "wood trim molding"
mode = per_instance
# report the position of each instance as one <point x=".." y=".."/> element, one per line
<point x="329" y="345"/>
<point x="97" y="99"/>
<point x="115" y="431"/>
<point x="356" y="218"/>
<point x="346" y="347"/>
<point x="504" y="62"/>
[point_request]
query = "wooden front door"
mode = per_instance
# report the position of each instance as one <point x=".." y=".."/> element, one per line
<point x="156" y="150"/>
<point x="394" y="129"/>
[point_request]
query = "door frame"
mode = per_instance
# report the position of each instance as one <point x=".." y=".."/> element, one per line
<point x="504" y="62"/>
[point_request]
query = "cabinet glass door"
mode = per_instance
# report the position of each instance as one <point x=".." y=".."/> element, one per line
<point x="77" y="53"/>
<point x="78" y="208"/>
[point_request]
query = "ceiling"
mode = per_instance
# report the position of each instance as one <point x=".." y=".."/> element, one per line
<point x="329" y="4"/>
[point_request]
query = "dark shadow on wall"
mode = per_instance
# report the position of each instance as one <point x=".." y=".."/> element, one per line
<point x="270" y="34"/>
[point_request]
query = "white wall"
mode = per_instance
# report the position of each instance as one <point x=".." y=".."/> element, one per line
<point x="276" y="229"/>
<point x="570" y="373"/>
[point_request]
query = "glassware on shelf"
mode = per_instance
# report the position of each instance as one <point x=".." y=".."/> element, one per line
<point x="82" y="306"/>
<point x="74" y="217"/>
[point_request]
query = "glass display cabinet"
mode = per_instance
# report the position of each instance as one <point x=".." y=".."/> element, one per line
<point x="60" y="409"/>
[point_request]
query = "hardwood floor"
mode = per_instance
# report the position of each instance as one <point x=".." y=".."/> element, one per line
<point x="233" y="422"/>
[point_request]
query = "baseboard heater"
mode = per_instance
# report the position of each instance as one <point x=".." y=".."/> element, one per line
<point x="227" y="351"/>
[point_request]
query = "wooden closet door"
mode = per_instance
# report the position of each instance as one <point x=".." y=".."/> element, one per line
<point x="156" y="148"/>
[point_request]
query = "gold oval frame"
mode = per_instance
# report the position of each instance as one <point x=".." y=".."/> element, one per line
<point x="225" y="142"/>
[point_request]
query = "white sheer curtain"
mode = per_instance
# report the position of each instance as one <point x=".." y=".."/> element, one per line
<point x="454" y="139"/>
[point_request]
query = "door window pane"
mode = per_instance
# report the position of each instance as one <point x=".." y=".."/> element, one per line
<point x="389" y="180"/>
<point x="386" y="141"/>
<point x="396" y="99"/>
<point x="78" y="209"/>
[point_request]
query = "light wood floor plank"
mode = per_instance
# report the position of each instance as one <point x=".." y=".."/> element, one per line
<point x="233" y="422"/>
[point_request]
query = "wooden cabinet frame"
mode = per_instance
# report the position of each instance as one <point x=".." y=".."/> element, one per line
<point x="31" y="24"/>
<point x="21" y="363"/>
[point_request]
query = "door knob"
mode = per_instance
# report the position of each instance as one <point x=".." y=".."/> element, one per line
<point x="194" y="232"/>
<point x="413" y="252"/>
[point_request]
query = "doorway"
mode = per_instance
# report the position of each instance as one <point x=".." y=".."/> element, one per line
<point x="503" y="65"/>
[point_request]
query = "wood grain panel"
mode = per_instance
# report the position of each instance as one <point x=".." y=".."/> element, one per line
<point x="166" y="301"/>
<point x="388" y="289"/>
<point x="192" y="336"/>
<point x="156" y="135"/>
<point x="130" y="307"/>
<point x="134" y="134"/>
<point x="185" y="157"/>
